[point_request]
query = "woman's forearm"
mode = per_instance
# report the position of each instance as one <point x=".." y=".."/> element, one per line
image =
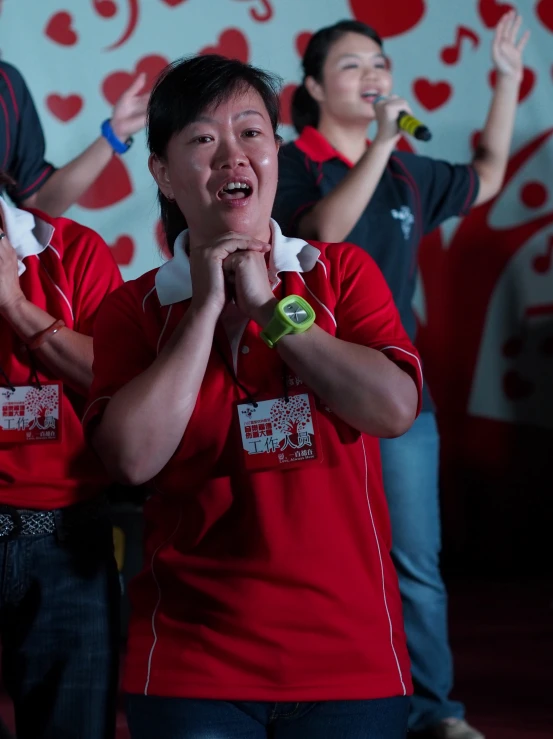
<point x="492" y="155"/>
<point x="145" y="420"/>
<point x="67" y="353"/>
<point x="361" y="385"/>
<point x="335" y="215"/>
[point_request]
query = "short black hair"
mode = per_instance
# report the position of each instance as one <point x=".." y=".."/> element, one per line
<point x="189" y="86"/>
<point x="305" y="109"/>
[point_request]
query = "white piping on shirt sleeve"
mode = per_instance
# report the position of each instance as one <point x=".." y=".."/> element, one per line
<point x="64" y="296"/>
<point x="399" y="349"/>
<point x="317" y="299"/>
<point x="164" y="327"/>
<point x="146" y="298"/>
<point x="103" y="397"/>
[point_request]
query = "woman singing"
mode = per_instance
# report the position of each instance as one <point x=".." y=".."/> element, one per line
<point x="335" y="186"/>
<point x="246" y="382"/>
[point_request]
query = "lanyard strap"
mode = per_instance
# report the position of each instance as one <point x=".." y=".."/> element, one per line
<point x="34" y="374"/>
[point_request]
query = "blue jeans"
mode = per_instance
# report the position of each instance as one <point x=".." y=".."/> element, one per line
<point x="181" y="718"/>
<point x="59" y="625"/>
<point x="410" y="468"/>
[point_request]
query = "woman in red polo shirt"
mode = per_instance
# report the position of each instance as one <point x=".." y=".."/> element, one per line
<point x="59" y="588"/>
<point x="246" y="382"/>
<point x="334" y="186"/>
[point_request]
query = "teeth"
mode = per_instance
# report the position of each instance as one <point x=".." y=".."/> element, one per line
<point x="236" y="186"/>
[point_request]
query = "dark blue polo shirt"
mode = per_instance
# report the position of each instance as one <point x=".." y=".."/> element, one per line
<point x="414" y="196"/>
<point x="21" y="137"/>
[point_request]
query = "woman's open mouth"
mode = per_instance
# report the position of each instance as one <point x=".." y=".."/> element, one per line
<point x="235" y="191"/>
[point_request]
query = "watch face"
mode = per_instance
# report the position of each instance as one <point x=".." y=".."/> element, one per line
<point x="295" y="312"/>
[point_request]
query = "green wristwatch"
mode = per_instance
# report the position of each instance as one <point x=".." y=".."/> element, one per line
<point x="293" y="315"/>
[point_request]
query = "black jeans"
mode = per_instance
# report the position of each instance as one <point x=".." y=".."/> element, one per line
<point x="59" y="625"/>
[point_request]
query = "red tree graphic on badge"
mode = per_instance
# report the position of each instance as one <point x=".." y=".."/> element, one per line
<point x="40" y="404"/>
<point x="291" y="418"/>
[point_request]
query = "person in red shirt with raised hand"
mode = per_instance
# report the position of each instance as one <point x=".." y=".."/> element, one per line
<point x="246" y="382"/>
<point x="59" y="589"/>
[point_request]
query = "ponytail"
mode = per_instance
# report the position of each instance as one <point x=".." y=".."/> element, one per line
<point x="304" y="109"/>
<point x="172" y="220"/>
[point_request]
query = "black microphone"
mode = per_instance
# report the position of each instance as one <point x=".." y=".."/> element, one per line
<point x="412" y="126"/>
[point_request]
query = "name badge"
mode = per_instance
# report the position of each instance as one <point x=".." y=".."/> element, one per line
<point x="279" y="433"/>
<point x="29" y="414"/>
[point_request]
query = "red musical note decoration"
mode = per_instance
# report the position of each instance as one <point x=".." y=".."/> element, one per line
<point x="105" y="8"/>
<point x="261" y="15"/>
<point x="542" y="263"/>
<point x="451" y="54"/>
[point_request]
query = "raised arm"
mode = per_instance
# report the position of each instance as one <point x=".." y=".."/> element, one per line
<point x="491" y="157"/>
<point x="67" y="184"/>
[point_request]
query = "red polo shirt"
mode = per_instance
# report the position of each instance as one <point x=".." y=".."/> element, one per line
<point x="272" y="585"/>
<point x="69" y="280"/>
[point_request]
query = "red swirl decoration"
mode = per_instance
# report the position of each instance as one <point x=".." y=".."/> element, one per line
<point x="264" y="14"/>
<point x="108" y="9"/>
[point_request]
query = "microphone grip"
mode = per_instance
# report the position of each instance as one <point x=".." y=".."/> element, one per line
<point x="413" y="126"/>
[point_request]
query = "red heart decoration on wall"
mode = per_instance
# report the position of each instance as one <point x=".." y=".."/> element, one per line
<point x="544" y="12"/>
<point x="302" y="40"/>
<point x="60" y="29"/>
<point x="65" y="108"/>
<point x="123" y="250"/>
<point x="112" y="186"/>
<point x="173" y="3"/>
<point x="117" y="82"/>
<point x="286" y="104"/>
<point x="527" y="84"/>
<point x="491" y="12"/>
<point x="432" y="95"/>
<point x="386" y="17"/>
<point x="232" y="43"/>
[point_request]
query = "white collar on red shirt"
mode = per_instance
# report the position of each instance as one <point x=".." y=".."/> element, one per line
<point x="28" y="235"/>
<point x="173" y="281"/>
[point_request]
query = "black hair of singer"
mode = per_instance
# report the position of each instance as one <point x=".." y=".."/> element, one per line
<point x="304" y="108"/>
<point x="184" y="90"/>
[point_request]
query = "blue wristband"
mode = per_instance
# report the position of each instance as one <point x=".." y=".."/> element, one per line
<point x="118" y="146"/>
